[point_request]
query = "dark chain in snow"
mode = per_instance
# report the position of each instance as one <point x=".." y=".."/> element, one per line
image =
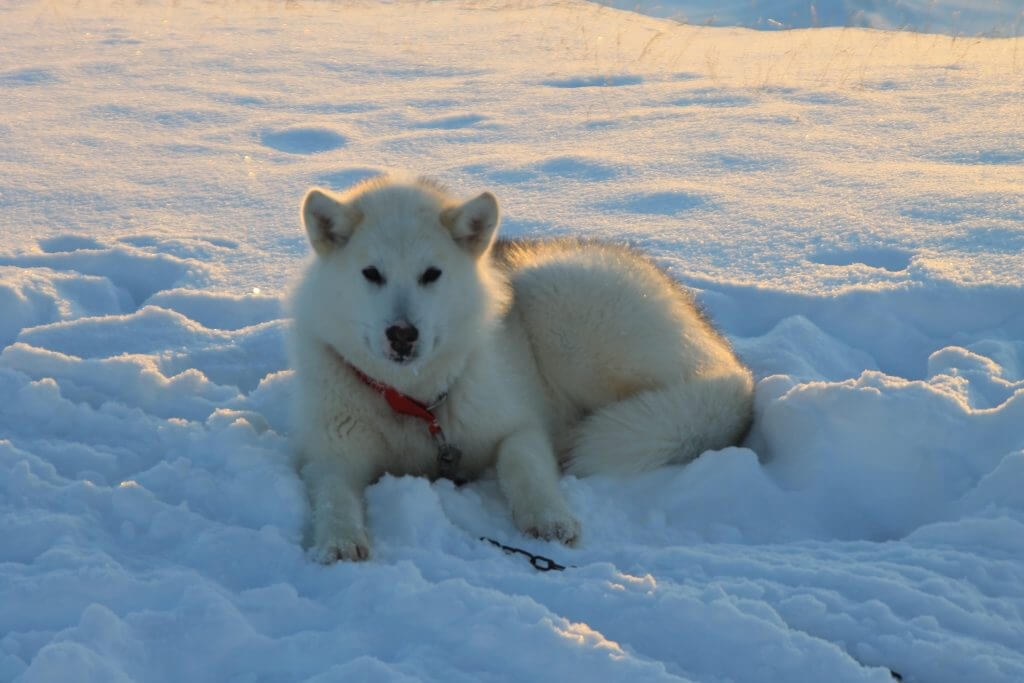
<point x="546" y="564"/>
<point x="539" y="562"/>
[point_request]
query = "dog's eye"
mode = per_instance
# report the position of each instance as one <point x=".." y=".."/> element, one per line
<point x="429" y="275"/>
<point x="373" y="275"/>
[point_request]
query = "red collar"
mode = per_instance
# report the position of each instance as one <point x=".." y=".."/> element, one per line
<point x="448" y="456"/>
<point x="406" y="405"/>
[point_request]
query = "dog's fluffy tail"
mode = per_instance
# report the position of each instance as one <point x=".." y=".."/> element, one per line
<point x="674" y="424"/>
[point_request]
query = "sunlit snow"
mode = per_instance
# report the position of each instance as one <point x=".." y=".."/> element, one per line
<point x="847" y="204"/>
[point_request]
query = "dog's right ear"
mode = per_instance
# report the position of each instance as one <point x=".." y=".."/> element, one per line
<point x="329" y="222"/>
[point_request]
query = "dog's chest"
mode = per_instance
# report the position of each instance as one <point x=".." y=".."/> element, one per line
<point x="412" y="449"/>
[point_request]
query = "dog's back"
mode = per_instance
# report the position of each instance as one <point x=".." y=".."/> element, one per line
<point x="626" y="355"/>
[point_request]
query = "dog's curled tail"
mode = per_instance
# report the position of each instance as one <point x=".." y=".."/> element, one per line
<point x="673" y="424"/>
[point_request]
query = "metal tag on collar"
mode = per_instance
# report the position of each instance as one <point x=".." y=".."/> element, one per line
<point x="448" y="457"/>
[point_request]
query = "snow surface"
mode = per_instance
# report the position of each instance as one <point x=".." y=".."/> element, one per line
<point x="848" y="205"/>
<point x="951" y="17"/>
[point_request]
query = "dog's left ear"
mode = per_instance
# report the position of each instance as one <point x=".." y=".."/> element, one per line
<point x="474" y="224"/>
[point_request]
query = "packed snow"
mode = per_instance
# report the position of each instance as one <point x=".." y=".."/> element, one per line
<point x="847" y="204"/>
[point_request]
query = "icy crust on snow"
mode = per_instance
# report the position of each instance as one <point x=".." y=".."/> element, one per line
<point x="852" y="223"/>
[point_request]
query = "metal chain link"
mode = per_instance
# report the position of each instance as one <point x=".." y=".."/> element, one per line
<point x="539" y="562"/>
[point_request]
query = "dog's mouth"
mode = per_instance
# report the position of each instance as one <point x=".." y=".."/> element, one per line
<point x="402" y="356"/>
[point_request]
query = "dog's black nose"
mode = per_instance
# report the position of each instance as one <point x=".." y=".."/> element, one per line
<point x="402" y="337"/>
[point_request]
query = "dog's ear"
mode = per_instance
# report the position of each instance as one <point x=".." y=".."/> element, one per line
<point x="474" y="224"/>
<point x="329" y="222"/>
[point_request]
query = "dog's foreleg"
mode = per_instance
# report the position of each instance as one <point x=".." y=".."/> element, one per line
<point x="528" y="476"/>
<point x="336" y="484"/>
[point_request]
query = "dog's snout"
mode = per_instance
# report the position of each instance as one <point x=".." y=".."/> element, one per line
<point x="402" y="333"/>
<point x="402" y="337"/>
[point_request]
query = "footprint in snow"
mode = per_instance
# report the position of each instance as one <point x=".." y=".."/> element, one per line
<point x="659" y="203"/>
<point x="568" y="167"/>
<point x="25" y="77"/>
<point x="893" y="260"/>
<point x="711" y="97"/>
<point x="59" y="244"/>
<point x="580" y="168"/>
<point x="598" y="81"/>
<point x="452" y="122"/>
<point x="303" y="140"/>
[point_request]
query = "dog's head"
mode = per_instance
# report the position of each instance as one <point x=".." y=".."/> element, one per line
<point x="402" y="270"/>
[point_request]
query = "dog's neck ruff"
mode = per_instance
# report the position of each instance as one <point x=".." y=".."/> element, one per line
<point x="406" y="405"/>
<point x="448" y="456"/>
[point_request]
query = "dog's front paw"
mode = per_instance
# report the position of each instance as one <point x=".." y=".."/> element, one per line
<point x="550" y="525"/>
<point x="353" y="547"/>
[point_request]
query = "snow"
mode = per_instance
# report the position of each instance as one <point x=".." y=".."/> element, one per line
<point x="953" y="17"/>
<point x="847" y="204"/>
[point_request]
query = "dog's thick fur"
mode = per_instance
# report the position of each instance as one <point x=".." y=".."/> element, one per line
<point x="554" y="355"/>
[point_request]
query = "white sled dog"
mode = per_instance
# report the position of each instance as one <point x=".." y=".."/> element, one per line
<point x="416" y="333"/>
